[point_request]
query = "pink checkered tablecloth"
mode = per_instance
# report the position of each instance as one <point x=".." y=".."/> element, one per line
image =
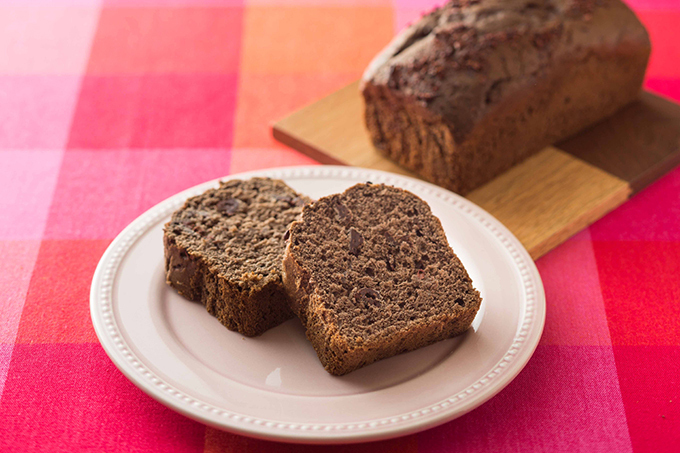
<point x="108" y="107"/>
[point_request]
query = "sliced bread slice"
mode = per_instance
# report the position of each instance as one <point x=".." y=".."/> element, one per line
<point x="370" y="273"/>
<point x="224" y="248"/>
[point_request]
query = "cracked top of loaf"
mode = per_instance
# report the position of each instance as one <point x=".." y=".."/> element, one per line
<point x="461" y="59"/>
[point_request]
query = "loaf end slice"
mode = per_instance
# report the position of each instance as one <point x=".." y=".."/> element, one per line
<point x="370" y="274"/>
<point x="224" y="248"/>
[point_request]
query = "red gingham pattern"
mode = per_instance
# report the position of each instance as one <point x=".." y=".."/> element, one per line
<point x="108" y="107"/>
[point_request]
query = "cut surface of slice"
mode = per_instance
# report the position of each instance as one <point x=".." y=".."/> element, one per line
<point x="370" y="273"/>
<point x="224" y="248"/>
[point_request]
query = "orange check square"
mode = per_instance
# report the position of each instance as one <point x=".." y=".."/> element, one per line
<point x="57" y="307"/>
<point x="314" y="39"/>
<point x="157" y="40"/>
<point x="264" y="99"/>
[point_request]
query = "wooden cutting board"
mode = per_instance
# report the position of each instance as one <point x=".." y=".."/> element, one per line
<point x="543" y="200"/>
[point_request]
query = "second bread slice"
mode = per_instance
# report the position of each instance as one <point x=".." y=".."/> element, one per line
<point x="371" y="275"/>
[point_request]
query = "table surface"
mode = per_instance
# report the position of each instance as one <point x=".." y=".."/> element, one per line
<point x="108" y="107"/>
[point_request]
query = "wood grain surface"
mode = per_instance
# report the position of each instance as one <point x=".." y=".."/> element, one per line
<point x="638" y="144"/>
<point x="543" y="200"/>
<point x="549" y="197"/>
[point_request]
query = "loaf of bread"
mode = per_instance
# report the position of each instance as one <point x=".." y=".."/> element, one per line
<point x="476" y="86"/>
<point x="224" y="248"/>
<point x="370" y="274"/>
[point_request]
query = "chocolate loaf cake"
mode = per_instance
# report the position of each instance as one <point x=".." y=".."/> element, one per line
<point x="371" y="275"/>
<point x="476" y="86"/>
<point x="224" y="248"/>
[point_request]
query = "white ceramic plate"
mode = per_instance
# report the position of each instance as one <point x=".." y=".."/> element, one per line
<point x="273" y="386"/>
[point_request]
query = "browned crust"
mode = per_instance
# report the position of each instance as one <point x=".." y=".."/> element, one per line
<point x="558" y="106"/>
<point x="249" y="313"/>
